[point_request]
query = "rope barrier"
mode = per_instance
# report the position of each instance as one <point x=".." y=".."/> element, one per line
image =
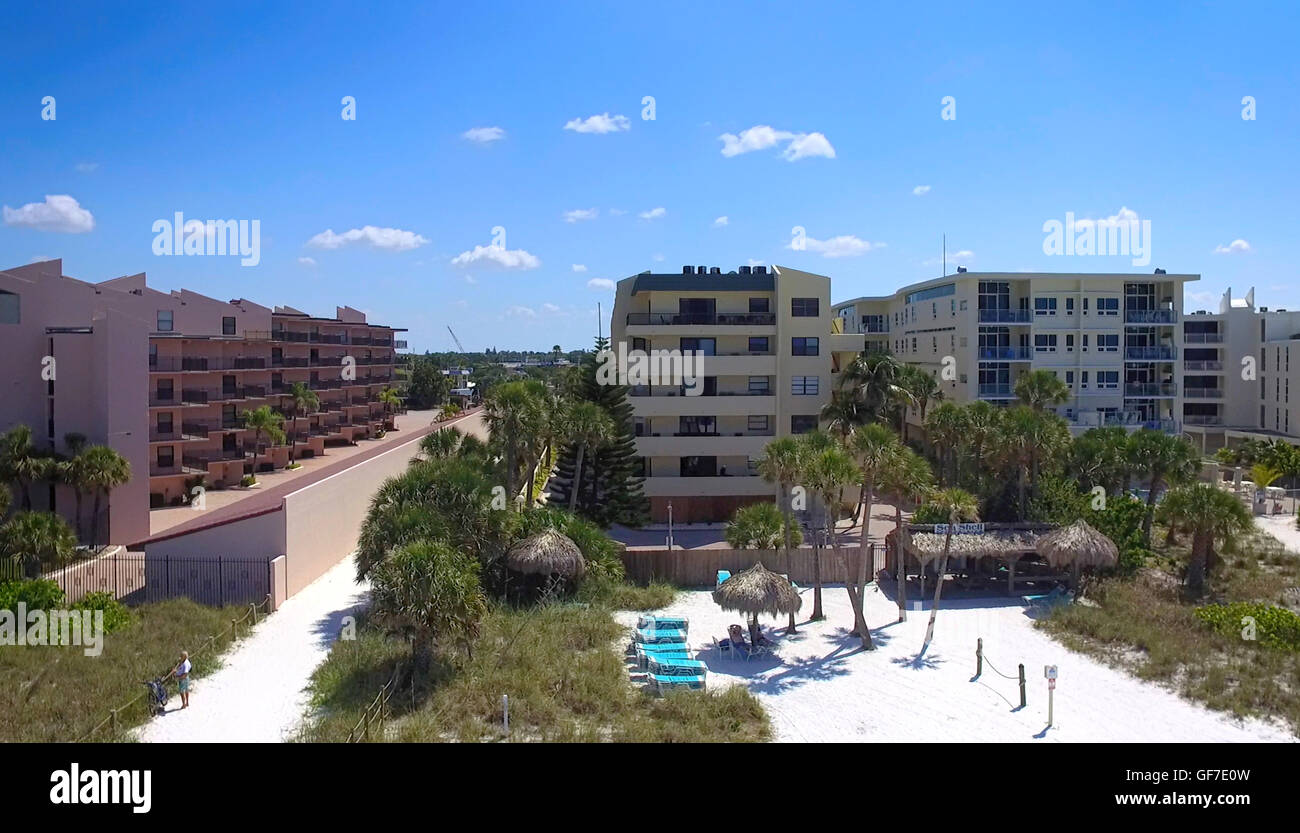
<point x="208" y="643"/>
<point x="981" y="660"/>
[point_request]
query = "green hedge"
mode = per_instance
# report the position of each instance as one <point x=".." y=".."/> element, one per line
<point x="1276" y="627"/>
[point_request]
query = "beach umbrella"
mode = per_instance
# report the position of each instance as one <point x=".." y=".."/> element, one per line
<point x="758" y="590"/>
<point x="549" y="552"/>
<point x="1079" y="545"/>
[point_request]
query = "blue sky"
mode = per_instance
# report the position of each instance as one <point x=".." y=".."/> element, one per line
<point x="233" y="112"/>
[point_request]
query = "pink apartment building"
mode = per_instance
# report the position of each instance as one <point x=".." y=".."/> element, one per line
<point x="164" y="377"/>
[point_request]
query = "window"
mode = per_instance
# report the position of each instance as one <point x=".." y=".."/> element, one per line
<point x="1044" y="343"/>
<point x="934" y="309"/>
<point x="698" y="426"/>
<point x="1108" y="343"/>
<point x="1044" y="306"/>
<point x="758" y="386"/>
<point x="165" y="392"/>
<point x="164" y="321"/>
<point x="1108" y="306"/>
<point x="1069" y="343"/>
<point x="164" y="423"/>
<point x="10" y="313"/>
<point x="1083" y="380"/>
<point x="1085" y="342"/>
<point x="962" y="306"/>
<point x="1069" y="378"/>
<point x="153" y="355"/>
<point x="699" y="467"/>
<point x="707" y="346"/>
<point x="759" y="305"/>
<point x="803" y="423"/>
<point x="1107" y="379"/>
<point x="166" y="456"/>
<point x="801" y="346"/>
<point x="804" y="385"/>
<point x="759" y="344"/>
<point x="758" y="424"/>
<point x="1069" y="306"/>
<point x="803" y="307"/>
<point x="639" y="344"/>
<point x="227" y="325"/>
<point x="913" y="344"/>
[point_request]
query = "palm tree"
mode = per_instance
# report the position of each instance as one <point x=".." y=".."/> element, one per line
<point x="874" y="449"/>
<point x="757" y="526"/>
<point x="828" y="472"/>
<point x="958" y="505"/>
<point x="510" y="414"/>
<point x="430" y="593"/>
<point x="590" y="427"/>
<point x="984" y="431"/>
<point x="1210" y="514"/>
<point x="909" y="478"/>
<point x="1029" y="436"/>
<point x="922" y="389"/>
<point x="19" y="462"/>
<point x="781" y="465"/>
<point x="875" y="380"/>
<point x="37" y="541"/>
<point x="1041" y="389"/>
<point x="440" y="444"/>
<point x="304" y="401"/>
<point x="262" y="421"/>
<point x="390" y="400"/>
<point x="1163" y="459"/>
<point x="101" y="471"/>
<point x="6" y="499"/>
<point x="555" y="351"/>
<point x="810" y="446"/>
<point x="947" y="429"/>
<point x="1100" y="457"/>
<point x="550" y="427"/>
<point x="448" y="411"/>
<point x="842" y="414"/>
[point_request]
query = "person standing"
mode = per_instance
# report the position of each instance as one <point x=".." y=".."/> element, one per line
<point x="182" y="674"/>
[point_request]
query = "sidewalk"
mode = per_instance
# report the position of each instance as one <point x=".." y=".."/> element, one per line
<point x="258" y="695"/>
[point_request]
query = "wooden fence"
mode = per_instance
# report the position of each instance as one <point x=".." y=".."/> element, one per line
<point x="699" y="567"/>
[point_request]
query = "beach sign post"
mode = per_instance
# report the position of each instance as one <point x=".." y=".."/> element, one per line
<point x="1049" y="671"/>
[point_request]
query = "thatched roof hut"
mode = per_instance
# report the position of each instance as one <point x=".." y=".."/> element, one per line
<point x="758" y="590"/>
<point x="999" y="543"/>
<point x="1078" y="545"/>
<point x="549" y="552"/>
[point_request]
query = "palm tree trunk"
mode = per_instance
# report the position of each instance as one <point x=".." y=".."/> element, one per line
<point x="1020" y="487"/>
<point x="817" y="614"/>
<point x="94" y="522"/>
<point x="1151" y="510"/>
<point x="855" y="594"/>
<point x="77" y="516"/>
<point x="938" y="585"/>
<point x="1196" y="563"/>
<point x="785" y="513"/>
<point x="577" y="476"/>
<point x="900" y="567"/>
<point x="293" y="436"/>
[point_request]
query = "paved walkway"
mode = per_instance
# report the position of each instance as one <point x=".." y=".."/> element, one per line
<point x="258" y="695"/>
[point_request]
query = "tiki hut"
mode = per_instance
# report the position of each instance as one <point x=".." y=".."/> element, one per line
<point x="1000" y="545"/>
<point x="1078" y="545"/>
<point x="548" y="553"/>
<point x="758" y="590"/>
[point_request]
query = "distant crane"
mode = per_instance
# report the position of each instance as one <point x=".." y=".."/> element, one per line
<point x="459" y="346"/>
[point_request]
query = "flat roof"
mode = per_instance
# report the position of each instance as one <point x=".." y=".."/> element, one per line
<point x="723" y="282"/>
<point x="1134" y="277"/>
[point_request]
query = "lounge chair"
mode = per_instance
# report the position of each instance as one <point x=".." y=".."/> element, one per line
<point x="646" y="653"/>
<point x="662" y="683"/>
<point x="723" y="575"/>
<point x="649" y="623"/>
<point x="724" y="647"/>
<point x="1057" y="595"/>
<point x="656" y="636"/>
<point x="669" y="666"/>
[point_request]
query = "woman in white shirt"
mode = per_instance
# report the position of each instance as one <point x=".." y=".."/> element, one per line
<point x="182" y="674"/>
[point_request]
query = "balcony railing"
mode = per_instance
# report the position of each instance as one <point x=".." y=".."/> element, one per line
<point x="1202" y="419"/>
<point x="1202" y="338"/>
<point x="996" y="391"/>
<point x="1004" y="316"/>
<point x="642" y="390"/>
<point x="1150" y="389"/>
<point x="1202" y="393"/>
<point x="1138" y="354"/>
<point x="1005" y="354"/>
<point x="1194" y="365"/>
<point x="200" y="396"/>
<point x="1150" y="316"/>
<point x="188" y="364"/>
<point x="1130" y="419"/>
<point x="721" y="318"/>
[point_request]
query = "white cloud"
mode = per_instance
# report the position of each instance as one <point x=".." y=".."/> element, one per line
<point x="550" y="308"/>
<point x="470" y="278"/>
<point x="721" y="221"/>
<point x="517" y="311"/>
<point x="307" y="261"/>
<point x="658" y="258"/>
<point x="578" y="267"/>
<point x="653" y="214"/>
<point x="391" y="239"/>
<point x="1125" y="216"/>
<point x="86" y="167"/>
<point x="761" y="137"/>
<point x="601" y="284"/>
<point x="59" y="212"/>
<point x="806" y="147"/>
<point x="963" y="256"/>
<point x="753" y="262"/>
<point x="483" y="135"/>
<point x="921" y="190"/>
<point x="845" y="245"/>
<point x="603" y="123"/>
<point x="616" y="212"/>
<point x="39" y="258"/>
<point x="1235" y="247"/>
<point x="580" y="214"/>
<point x="503" y="257"/>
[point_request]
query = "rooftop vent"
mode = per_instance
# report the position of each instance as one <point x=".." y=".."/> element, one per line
<point x="701" y="270"/>
<point x="688" y="270"/>
<point x="961" y="269"/>
<point x="1160" y="271"/>
<point x="760" y="270"/>
<point x="744" y="270"/>
<point x="715" y="270"/>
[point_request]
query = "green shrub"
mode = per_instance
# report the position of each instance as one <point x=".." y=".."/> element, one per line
<point x="1276" y="627"/>
<point x="36" y="594"/>
<point x="929" y="513"/>
<point x="116" y="614"/>
<point x="247" y="480"/>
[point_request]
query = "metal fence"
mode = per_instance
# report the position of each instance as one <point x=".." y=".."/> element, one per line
<point x="135" y="578"/>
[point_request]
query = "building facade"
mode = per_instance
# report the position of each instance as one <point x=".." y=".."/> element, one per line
<point x="1113" y="339"/>
<point x="164" y="378"/>
<point x="771" y="356"/>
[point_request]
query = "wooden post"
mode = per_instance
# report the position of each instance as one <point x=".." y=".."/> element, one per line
<point x="979" y="656"/>
<point x="1022" y="685"/>
<point x="113" y="721"/>
<point x="1011" y="576"/>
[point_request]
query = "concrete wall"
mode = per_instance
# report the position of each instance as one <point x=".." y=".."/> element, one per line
<point x="257" y="536"/>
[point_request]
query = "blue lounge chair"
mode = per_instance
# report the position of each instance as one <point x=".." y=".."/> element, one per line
<point x="662" y="682"/>
<point x="723" y="575"/>
<point x="659" y="623"/>
<point x="669" y="666"/>
<point x="656" y="636"/>
<point x="644" y="658"/>
<point x="1057" y="595"/>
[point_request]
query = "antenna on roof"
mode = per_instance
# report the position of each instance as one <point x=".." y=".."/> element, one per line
<point x="945" y="254"/>
<point x="600" y="330"/>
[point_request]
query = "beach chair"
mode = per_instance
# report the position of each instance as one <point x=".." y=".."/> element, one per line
<point x="646" y="653"/>
<point x="1057" y="595"/>
<point x="662" y="683"/>
<point x="724" y="648"/>
<point x="660" y="623"/>
<point x="723" y="575"/>
<point x="654" y="636"/>
<point x="670" y="666"/>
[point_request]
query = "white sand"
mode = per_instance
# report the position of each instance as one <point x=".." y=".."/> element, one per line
<point x="820" y="687"/>
<point x="258" y="694"/>
<point x="1281" y="527"/>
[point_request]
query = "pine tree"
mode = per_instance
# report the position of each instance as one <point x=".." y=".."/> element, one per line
<point x="610" y="491"/>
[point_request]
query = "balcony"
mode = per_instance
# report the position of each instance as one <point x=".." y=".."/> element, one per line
<point x="205" y="427"/>
<point x="1005" y="316"/>
<point x="996" y="392"/>
<point x="1202" y="393"/>
<point x="672" y="319"/>
<point x="1149" y="354"/>
<point x="720" y="405"/>
<point x="186" y="434"/>
<point x="1202" y="419"/>
<point x="702" y="486"/>
<point x="201" y="396"/>
<point x="1150" y="389"/>
<point x="1202" y="338"/>
<point x="1005" y="354"/>
<point x="1150" y="316"/>
<point x="199" y="364"/>
<point x="1192" y="366"/>
<point x="744" y="444"/>
<point x="1131" y="420"/>
<point x="201" y="460"/>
